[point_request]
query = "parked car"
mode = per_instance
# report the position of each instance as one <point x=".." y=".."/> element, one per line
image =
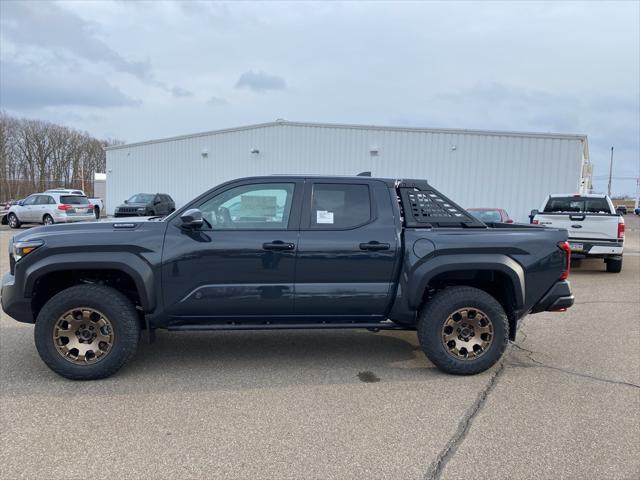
<point x="4" y="210"/>
<point x="621" y="209"/>
<point x="595" y="229"/>
<point x="490" y="215"/>
<point x="297" y="252"/>
<point x="49" y="208"/>
<point x="636" y="211"/>
<point x="146" y="205"/>
<point x="98" y="206"/>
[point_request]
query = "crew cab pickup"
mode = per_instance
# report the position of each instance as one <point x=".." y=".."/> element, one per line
<point x="595" y="229"/>
<point x="287" y="252"/>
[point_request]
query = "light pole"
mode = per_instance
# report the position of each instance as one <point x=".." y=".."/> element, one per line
<point x="610" y="172"/>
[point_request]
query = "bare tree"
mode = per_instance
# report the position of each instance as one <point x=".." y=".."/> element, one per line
<point x="36" y="155"/>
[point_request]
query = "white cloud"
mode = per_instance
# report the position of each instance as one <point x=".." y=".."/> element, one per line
<point x="260" y="81"/>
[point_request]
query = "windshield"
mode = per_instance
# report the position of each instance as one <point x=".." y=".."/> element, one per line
<point x="74" y="200"/>
<point x="577" y="204"/>
<point x="141" y="198"/>
<point x="487" y="215"/>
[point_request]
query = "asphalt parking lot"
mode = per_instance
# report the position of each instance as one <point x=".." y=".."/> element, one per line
<point x="564" y="402"/>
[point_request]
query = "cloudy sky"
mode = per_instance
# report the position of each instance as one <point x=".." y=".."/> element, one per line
<point x="138" y="71"/>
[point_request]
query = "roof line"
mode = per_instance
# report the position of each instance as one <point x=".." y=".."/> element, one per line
<point x="287" y="123"/>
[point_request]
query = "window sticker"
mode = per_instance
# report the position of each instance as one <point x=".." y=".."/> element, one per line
<point x="323" y="216"/>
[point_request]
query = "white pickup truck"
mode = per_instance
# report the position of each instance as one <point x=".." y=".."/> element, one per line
<point x="595" y="229"/>
<point x="96" y="202"/>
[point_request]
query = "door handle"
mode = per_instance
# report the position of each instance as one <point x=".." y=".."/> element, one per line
<point x="373" y="246"/>
<point x="278" y="245"/>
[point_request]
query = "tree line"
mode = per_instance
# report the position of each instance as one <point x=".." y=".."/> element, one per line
<point x="36" y="155"/>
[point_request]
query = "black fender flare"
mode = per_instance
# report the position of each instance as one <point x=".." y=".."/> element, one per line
<point x="425" y="270"/>
<point x="134" y="266"/>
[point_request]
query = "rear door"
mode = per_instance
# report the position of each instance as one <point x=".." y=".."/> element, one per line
<point x="76" y="205"/>
<point x="347" y="249"/>
<point x="42" y="207"/>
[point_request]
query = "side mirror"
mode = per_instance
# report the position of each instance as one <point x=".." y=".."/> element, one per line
<point x="192" y="218"/>
<point x="126" y="201"/>
<point x="21" y="203"/>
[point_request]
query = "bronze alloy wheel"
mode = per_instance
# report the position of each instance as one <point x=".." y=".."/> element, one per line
<point x="83" y="335"/>
<point x="467" y="333"/>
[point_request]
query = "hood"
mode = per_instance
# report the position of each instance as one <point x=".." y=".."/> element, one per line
<point x="78" y="231"/>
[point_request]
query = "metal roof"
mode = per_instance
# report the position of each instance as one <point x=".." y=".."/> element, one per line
<point x="571" y="136"/>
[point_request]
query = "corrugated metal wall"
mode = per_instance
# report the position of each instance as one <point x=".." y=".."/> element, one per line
<point x="477" y="169"/>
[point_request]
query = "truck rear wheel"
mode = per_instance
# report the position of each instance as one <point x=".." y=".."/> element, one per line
<point x="614" y="265"/>
<point x="463" y="330"/>
<point x="87" y="332"/>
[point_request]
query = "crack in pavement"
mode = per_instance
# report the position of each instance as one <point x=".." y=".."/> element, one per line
<point x="538" y="364"/>
<point x="436" y="468"/>
<point x="434" y="472"/>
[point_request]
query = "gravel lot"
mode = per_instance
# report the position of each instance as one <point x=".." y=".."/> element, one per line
<point x="564" y="403"/>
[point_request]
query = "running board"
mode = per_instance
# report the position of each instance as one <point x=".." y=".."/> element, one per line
<point x="290" y="326"/>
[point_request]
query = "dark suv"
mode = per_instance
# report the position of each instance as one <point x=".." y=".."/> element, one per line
<point x="146" y="205"/>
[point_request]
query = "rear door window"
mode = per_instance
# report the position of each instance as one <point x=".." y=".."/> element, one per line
<point x="339" y="206"/>
<point x="44" y="200"/>
<point x="577" y="205"/>
<point x="74" y="200"/>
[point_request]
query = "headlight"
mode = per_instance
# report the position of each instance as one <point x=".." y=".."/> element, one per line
<point x="21" y="249"/>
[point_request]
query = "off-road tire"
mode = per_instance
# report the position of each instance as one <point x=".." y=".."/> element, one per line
<point x="440" y="307"/>
<point x="47" y="217"/>
<point x="114" y="305"/>
<point x="12" y="220"/>
<point x="614" y="265"/>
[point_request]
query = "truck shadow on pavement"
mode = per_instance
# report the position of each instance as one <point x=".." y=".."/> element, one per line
<point x="210" y="361"/>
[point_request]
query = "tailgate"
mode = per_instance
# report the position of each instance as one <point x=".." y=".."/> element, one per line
<point x="584" y="226"/>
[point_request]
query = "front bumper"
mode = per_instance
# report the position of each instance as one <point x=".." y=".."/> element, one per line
<point x="558" y="298"/>
<point x="13" y="302"/>
<point x="136" y="214"/>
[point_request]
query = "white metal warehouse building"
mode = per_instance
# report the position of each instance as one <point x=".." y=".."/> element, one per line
<point x="510" y="170"/>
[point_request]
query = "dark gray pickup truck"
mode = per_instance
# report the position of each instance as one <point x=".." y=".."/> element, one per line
<point x="287" y="252"/>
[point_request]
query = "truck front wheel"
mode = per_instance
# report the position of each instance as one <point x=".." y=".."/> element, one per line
<point x="463" y="330"/>
<point x="87" y="332"/>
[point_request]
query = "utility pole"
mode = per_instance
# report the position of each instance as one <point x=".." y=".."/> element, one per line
<point x="610" y="171"/>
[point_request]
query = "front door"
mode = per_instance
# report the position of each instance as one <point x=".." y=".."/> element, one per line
<point x="241" y="263"/>
<point x="26" y="212"/>
<point x="347" y="251"/>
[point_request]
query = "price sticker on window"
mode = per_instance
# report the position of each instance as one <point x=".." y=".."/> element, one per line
<point x="323" y="216"/>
